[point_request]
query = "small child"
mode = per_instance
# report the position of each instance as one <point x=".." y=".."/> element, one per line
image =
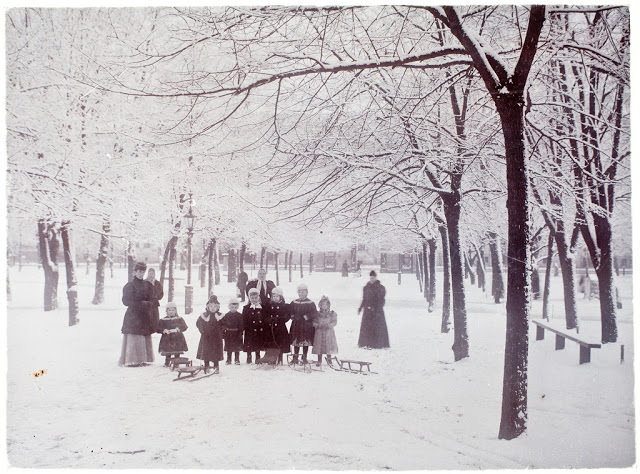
<point x="172" y="342"/>
<point x="303" y="312"/>
<point x="210" y="346"/>
<point x="324" y="340"/>
<point x="232" y="329"/>
<point x="279" y="314"/>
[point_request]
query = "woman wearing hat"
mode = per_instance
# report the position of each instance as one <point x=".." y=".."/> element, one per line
<point x="137" y="296"/>
<point x="210" y="345"/>
<point x="373" y="328"/>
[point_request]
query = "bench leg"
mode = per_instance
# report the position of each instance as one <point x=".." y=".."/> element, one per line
<point x="585" y="354"/>
<point x="560" y="342"/>
<point x="539" y="333"/>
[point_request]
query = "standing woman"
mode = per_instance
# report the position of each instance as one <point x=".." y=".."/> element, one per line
<point x="373" y="328"/>
<point x="157" y="296"/>
<point x="137" y="296"/>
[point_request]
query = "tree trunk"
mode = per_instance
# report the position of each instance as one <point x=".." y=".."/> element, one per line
<point x="419" y="272"/>
<point x="211" y="257"/>
<point x="497" y="280"/>
<point x="432" y="273"/>
<point x="514" y="391"/>
<point x="49" y="245"/>
<point x="606" y="288"/>
<point x="70" y="266"/>
<point x="131" y="261"/>
<point x="243" y="251"/>
<point x="263" y="253"/>
<point x="480" y="270"/>
<point x="310" y="263"/>
<point x="290" y="266"/>
<point x="567" y="267"/>
<point x="171" y="245"/>
<point x="216" y="262"/>
<point x="425" y="271"/>
<point x="172" y="279"/>
<point x="446" y="280"/>
<point x="277" y="269"/>
<point x="301" y="271"/>
<point x="469" y="270"/>
<point x="547" y="278"/>
<point x="101" y="260"/>
<point x="231" y="267"/>
<point x="460" y="337"/>
<point x="535" y="282"/>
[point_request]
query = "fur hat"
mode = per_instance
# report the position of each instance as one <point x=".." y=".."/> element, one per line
<point x="213" y="299"/>
<point x="373" y="273"/>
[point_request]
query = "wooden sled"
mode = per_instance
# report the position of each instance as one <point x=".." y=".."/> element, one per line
<point x="190" y="372"/>
<point x="270" y="358"/>
<point x="177" y="362"/>
<point x="353" y="366"/>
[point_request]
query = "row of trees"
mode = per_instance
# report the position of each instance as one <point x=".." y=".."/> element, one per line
<point x="466" y="124"/>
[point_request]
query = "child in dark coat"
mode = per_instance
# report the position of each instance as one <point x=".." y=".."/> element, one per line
<point x="279" y="314"/>
<point x="232" y="329"/>
<point x="210" y="346"/>
<point x="172" y="342"/>
<point x="303" y="312"/>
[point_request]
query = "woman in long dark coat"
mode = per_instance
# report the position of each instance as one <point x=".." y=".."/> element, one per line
<point x="373" y="328"/>
<point x="303" y="312"/>
<point x="279" y="314"/>
<point x="254" y="318"/>
<point x="210" y="345"/>
<point x="137" y="326"/>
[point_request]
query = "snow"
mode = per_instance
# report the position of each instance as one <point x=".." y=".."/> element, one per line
<point x="420" y="411"/>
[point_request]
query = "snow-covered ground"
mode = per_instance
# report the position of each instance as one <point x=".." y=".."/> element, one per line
<point x="420" y="411"/>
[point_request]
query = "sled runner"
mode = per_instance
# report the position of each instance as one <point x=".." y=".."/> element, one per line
<point x="176" y="362"/>
<point x="191" y="372"/>
<point x="269" y="358"/>
<point x="353" y="366"/>
<point x="298" y="364"/>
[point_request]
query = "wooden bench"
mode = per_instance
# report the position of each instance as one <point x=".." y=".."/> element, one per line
<point x="561" y="335"/>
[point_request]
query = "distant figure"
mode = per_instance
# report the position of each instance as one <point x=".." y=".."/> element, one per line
<point x="345" y="269"/>
<point x="242" y="284"/>
<point x="324" y="340"/>
<point x="373" y="328"/>
<point x="264" y="286"/>
<point x="137" y="296"/>
<point x="172" y="327"/>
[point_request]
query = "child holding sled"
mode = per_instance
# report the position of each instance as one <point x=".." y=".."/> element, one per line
<point x="172" y="327"/>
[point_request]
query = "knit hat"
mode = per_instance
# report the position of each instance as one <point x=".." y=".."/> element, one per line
<point x="213" y="299"/>
<point x="373" y="273"/>
<point x="303" y="286"/>
<point x="140" y="266"/>
<point x="233" y="301"/>
<point x="172" y="304"/>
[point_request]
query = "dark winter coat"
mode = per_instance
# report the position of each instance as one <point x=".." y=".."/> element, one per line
<point x="278" y="335"/>
<point x="172" y="343"/>
<point x="302" y="314"/>
<point x="265" y="296"/>
<point x="137" y="296"/>
<point x="233" y="328"/>
<point x="373" y="328"/>
<point x="255" y="328"/>
<point x="158" y="293"/>
<point x="210" y="346"/>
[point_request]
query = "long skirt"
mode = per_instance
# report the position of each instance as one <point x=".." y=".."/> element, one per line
<point x="373" y="330"/>
<point x="136" y="350"/>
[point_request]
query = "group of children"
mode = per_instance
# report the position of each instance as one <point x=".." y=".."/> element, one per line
<point x="261" y="325"/>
